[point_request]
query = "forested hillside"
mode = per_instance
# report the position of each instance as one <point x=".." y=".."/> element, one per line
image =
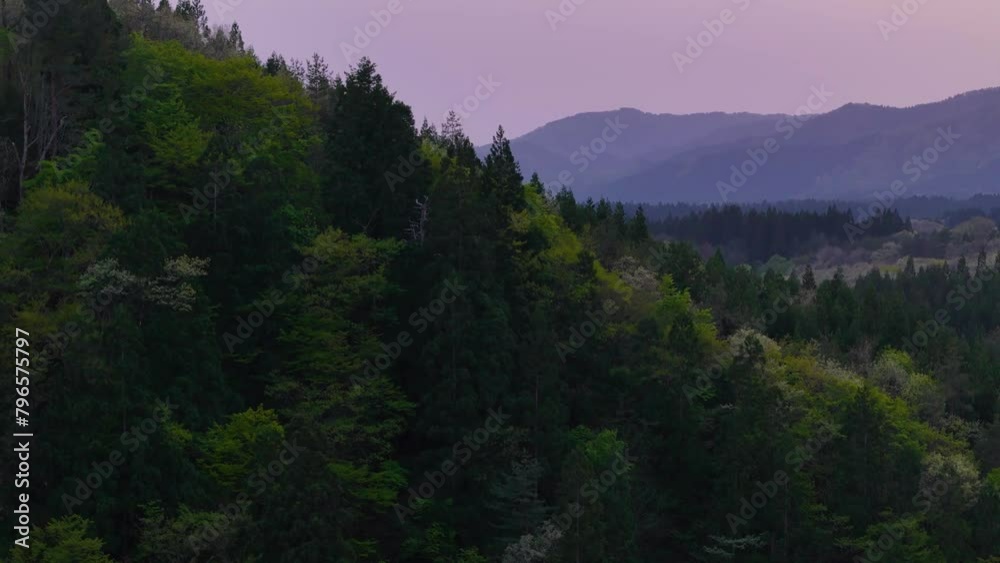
<point x="273" y="319"/>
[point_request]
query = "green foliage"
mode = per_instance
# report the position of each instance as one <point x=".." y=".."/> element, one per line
<point x="249" y="440"/>
<point x="64" y="540"/>
<point x="66" y="225"/>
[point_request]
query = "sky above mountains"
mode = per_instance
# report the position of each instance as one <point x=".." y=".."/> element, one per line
<point x="523" y="63"/>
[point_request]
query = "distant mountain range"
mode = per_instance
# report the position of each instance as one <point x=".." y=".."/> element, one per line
<point x="849" y="153"/>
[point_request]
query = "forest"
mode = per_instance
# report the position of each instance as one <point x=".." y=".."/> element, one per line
<point x="758" y="235"/>
<point x="272" y="318"/>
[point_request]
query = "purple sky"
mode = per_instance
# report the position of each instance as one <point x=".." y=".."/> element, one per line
<point x="618" y="53"/>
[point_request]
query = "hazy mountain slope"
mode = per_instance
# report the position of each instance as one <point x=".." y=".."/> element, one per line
<point x="851" y="152"/>
<point x="646" y="139"/>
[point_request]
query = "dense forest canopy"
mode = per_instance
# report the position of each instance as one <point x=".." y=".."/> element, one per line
<point x="922" y="207"/>
<point x="758" y="235"/>
<point x="273" y="319"/>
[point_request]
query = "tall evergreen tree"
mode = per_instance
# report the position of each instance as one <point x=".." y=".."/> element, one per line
<point x="193" y="11"/>
<point x="236" y="38"/>
<point x="809" y="279"/>
<point x="375" y="170"/>
<point x="638" y="230"/>
<point x="503" y="174"/>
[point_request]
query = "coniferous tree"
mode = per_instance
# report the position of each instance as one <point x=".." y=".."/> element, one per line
<point x="569" y="210"/>
<point x="428" y="132"/>
<point x="962" y="269"/>
<point x="638" y="230"/>
<point x="236" y="38"/>
<point x="275" y="64"/>
<point x="517" y="508"/>
<point x="373" y="170"/>
<point x="808" y="279"/>
<point x="603" y="211"/>
<point x="536" y="183"/>
<point x="193" y="11"/>
<point x="981" y="267"/>
<point x="618" y="220"/>
<point x="503" y="174"/>
<point x="317" y="78"/>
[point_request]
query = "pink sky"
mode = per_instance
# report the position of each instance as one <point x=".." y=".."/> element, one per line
<point x="619" y="53"/>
